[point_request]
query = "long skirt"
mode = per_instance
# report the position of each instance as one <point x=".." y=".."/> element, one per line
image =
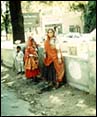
<point x="32" y="73"/>
<point x="49" y="73"/>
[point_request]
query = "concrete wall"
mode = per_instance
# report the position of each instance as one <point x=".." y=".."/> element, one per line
<point x="7" y="56"/>
<point x="77" y="73"/>
<point x="8" y="53"/>
<point x="92" y="67"/>
<point x="80" y="72"/>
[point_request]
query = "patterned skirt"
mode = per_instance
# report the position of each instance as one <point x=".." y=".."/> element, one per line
<point x="31" y="67"/>
<point x="32" y="73"/>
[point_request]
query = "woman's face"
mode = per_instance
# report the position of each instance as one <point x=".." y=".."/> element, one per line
<point x="50" y="33"/>
<point x="30" y="42"/>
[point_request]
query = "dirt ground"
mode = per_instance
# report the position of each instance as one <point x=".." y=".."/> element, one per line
<point x="65" y="101"/>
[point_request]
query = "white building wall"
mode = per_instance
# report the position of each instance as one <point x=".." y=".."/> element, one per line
<point x="66" y="20"/>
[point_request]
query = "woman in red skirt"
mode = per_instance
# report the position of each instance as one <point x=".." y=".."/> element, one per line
<point x="31" y="59"/>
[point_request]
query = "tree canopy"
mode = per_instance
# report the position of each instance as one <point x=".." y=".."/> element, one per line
<point x="89" y="14"/>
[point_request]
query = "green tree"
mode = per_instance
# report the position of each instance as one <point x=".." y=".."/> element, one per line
<point x="17" y="21"/>
<point x="89" y="14"/>
<point x="5" y="15"/>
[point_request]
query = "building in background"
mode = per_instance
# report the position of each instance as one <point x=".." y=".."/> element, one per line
<point x="65" y="23"/>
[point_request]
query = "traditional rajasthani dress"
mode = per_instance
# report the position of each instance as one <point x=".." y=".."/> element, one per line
<point x="53" y="70"/>
<point x="31" y="59"/>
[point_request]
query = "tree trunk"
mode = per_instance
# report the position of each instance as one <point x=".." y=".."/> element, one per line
<point x="17" y="21"/>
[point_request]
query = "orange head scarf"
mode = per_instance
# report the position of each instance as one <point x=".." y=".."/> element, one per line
<point x="30" y="41"/>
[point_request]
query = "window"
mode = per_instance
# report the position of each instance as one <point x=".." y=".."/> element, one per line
<point x="75" y="28"/>
<point x="72" y="28"/>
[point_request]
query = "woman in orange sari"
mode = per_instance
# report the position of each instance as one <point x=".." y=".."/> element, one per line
<point x="54" y="63"/>
<point x="31" y="59"/>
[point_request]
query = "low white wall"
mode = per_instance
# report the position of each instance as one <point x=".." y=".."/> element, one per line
<point x="7" y="57"/>
<point x="80" y="72"/>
